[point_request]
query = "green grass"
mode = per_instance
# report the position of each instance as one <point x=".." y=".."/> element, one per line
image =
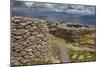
<point x="78" y="56"/>
<point x="83" y="41"/>
<point x="55" y="47"/>
<point x="38" y="62"/>
<point x="56" y="50"/>
<point x="32" y="62"/>
<point x="74" y="55"/>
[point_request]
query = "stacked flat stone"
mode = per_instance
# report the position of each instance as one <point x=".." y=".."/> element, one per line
<point x="29" y="41"/>
<point x="72" y="31"/>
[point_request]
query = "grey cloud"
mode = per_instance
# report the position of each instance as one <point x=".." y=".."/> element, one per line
<point x="68" y="8"/>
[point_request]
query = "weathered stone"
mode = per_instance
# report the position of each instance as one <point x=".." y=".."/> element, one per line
<point x="29" y="50"/>
<point x="28" y="22"/>
<point x="17" y="21"/>
<point x="70" y="30"/>
<point x="44" y="43"/>
<point x="13" y="29"/>
<point x="20" y="31"/>
<point x="29" y="41"/>
<point x="34" y="33"/>
<point x="39" y="35"/>
<point x="28" y="26"/>
<point x="92" y="42"/>
<point x="23" y="24"/>
<point x="18" y="37"/>
<point x="33" y="29"/>
<point x="32" y="38"/>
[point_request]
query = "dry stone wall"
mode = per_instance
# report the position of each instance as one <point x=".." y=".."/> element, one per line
<point x="71" y="31"/>
<point x="29" y="41"/>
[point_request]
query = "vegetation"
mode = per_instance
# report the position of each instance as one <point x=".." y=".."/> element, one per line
<point x="74" y="55"/>
<point x="84" y="41"/>
<point x="78" y="56"/>
<point x="55" y="47"/>
<point x="56" y="50"/>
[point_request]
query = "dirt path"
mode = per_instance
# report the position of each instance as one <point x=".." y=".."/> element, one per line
<point x="64" y="50"/>
<point x="63" y="53"/>
<point x="64" y="57"/>
<point x="64" y="47"/>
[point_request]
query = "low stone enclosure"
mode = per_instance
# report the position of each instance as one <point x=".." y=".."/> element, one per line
<point x="29" y="41"/>
<point x="71" y="30"/>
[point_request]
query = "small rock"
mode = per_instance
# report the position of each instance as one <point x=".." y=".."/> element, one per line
<point x="20" y="31"/>
<point x="34" y="33"/>
<point x="44" y="43"/>
<point x="91" y="41"/>
<point x="23" y="24"/>
<point x="29" y="50"/>
<point x="18" y="37"/>
<point x="17" y="21"/>
<point x="32" y="29"/>
<point x="28" y="22"/>
<point x="32" y="38"/>
<point x="28" y="26"/>
<point x="39" y="35"/>
<point x="39" y="46"/>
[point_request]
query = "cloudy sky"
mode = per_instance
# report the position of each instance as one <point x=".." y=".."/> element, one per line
<point x="46" y="7"/>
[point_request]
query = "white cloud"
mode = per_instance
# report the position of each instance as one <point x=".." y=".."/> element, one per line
<point x="28" y="4"/>
<point x="49" y="5"/>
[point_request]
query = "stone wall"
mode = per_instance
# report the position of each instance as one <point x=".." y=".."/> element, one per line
<point x="29" y="41"/>
<point x="71" y="31"/>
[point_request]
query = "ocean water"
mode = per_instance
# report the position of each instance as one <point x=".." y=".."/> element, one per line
<point x="59" y="16"/>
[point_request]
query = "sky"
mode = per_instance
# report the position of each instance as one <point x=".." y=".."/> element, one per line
<point x="53" y="7"/>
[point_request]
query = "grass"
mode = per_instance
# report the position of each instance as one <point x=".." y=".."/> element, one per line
<point x="32" y="62"/>
<point x="53" y="37"/>
<point x="74" y="55"/>
<point x="79" y="56"/>
<point x="83" y="41"/>
<point x="55" y="47"/>
<point x="56" y="50"/>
